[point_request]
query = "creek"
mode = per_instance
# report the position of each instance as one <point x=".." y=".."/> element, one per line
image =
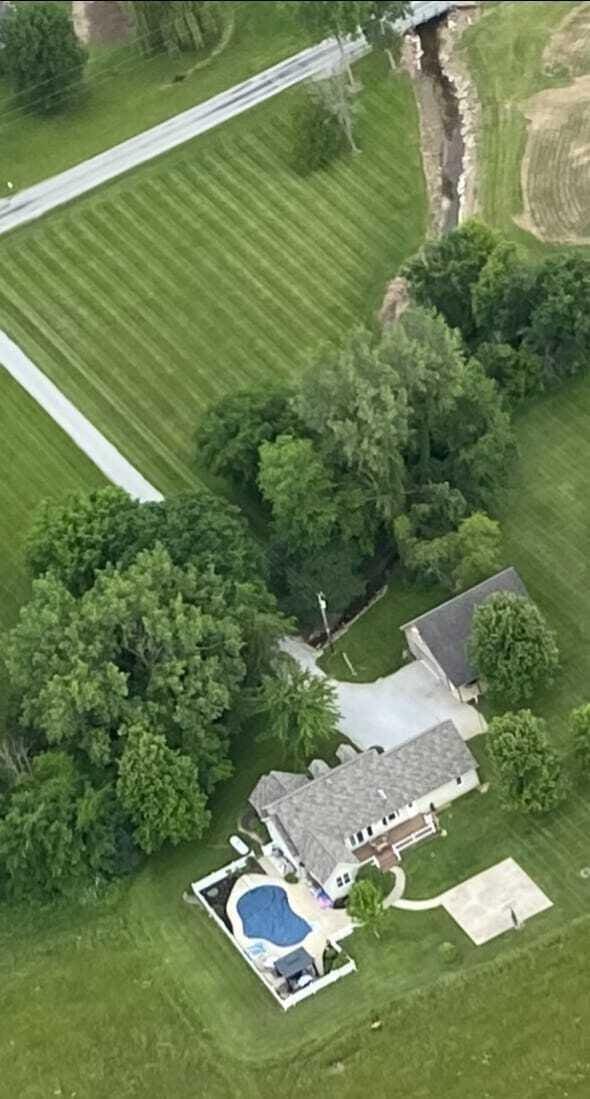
<point x="452" y="152"/>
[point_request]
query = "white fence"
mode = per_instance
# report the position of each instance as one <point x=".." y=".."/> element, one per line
<point x="429" y="829"/>
<point x="295" y="997"/>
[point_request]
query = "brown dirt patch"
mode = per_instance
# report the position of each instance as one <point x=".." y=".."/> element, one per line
<point x="100" y="21"/>
<point x="555" y="169"/>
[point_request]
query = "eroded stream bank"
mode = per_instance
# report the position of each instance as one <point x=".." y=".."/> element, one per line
<point x="442" y="95"/>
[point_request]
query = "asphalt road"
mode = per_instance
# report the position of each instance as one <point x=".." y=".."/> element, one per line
<point x="33" y="202"/>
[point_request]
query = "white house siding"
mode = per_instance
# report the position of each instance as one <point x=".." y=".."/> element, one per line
<point x="334" y="891"/>
<point x="449" y="792"/>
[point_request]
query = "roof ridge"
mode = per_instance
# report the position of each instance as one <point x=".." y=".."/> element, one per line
<point x="461" y="595"/>
<point x="326" y="776"/>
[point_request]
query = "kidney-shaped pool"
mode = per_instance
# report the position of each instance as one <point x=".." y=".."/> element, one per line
<point x="265" y="913"/>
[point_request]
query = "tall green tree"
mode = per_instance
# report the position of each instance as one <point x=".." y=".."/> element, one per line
<point x="232" y="430"/>
<point x="297" y="485"/>
<point x="559" y="330"/>
<point x="298" y="709"/>
<point x="526" y="770"/>
<point x="512" y="646"/>
<point x="56" y="830"/>
<point x="428" y="358"/>
<point x="175" y="25"/>
<point x="365" y="905"/>
<point x="78" y="537"/>
<point x="457" y="560"/>
<point x="445" y="272"/>
<point x="579" y="725"/>
<point x="354" y="404"/>
<point x="158" y="788"/>
<point x="41" y="56"/>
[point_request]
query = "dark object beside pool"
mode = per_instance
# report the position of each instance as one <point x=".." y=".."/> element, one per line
<point x="265" y="913"/>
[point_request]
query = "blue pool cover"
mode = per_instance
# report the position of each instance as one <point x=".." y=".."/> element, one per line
<point x="265" y="913"/>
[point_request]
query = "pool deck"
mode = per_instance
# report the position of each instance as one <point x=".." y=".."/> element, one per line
<point x="325" y="923"/>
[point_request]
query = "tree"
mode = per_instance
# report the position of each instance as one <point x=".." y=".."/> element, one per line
<point x="428" y="358"/>
<point x="153" y="641"/>
<point x="318" y="136"/>
<point x="78" y="537"/>
<point x="559" y="330"/>
<point x="478" y="551"/>
<point x="56" y="829"/>
<point x="336" y="98"/>
<point x="159" y="790"/>
<point x="299" y="709"/>
<point x="379" y="28"/>
<point x="175" y="25"/>
<point x="513" y="647"/>
<point x="473" y="442"/>
<point x="459" y="559"/>
<point x="518" y="373"/>
<point x="365" y="905"/>
<point x="579" y="725"/>
<point x="323" y="18"/>
<point x="335" y="569"/>
<point x="502" y="296"/>
<point x="231" y="431"/>
<point x="526" y="769"/>
<point x="296" y="483"/>
<point x="353" y="403"/>
<point x="41" y="56"/>
<point x="438" y="509"/>
<point x="444" y="273"/>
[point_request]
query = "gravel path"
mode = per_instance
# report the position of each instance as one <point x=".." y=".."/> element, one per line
<point x="104" y="455"/>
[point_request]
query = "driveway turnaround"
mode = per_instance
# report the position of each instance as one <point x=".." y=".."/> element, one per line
<point x="35" y="201"/>
<point x="393" y="709"/>
<point x="104" y="455"/>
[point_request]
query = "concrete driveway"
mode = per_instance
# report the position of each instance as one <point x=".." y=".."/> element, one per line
<point x="395" y="708"/>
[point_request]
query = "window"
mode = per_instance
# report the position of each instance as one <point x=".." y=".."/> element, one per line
<point x="360" y="836"/>
<point x="339" y="883"/>
<point x="410" y="803"/>
<point x="344" y="880"/>
<point x="384" y="820"/>
<point x="370" y="830"/>
<point x="392" y="816"/>
<point x="459" y="780"/>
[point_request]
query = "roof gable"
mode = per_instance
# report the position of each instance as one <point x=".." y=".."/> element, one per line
<point x="446" y="629"/>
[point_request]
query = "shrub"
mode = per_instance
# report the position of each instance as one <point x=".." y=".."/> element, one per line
<point x="449" y="953"/>
<point x="381" y="881"/>
<point x="318" y="137"/>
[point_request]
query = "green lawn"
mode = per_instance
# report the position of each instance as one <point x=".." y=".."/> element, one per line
<point x="127" y="92"/>
<point x="38" y="462"/>
<point x="504" y="51"/>
<point x="212" y="269"/>
<point x="375" y="645"/>
<point x="141" y="995"/>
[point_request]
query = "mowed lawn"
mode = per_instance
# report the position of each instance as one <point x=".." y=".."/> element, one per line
<point x="140" y="994"/>
<point x="213" y="270"/>
<point x="38" y="462"/>
<point x="504" y="51"/>
<point x="125" y="92"/>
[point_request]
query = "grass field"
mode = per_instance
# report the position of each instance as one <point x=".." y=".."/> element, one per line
<point x="38" y="462"/>
<point x="211" y="270"/>
<point x="504" y="51"/>
<point x="137" y="995"/>
<point x="126" y="93"/>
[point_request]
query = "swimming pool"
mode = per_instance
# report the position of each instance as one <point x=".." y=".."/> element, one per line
<point x="265" y="913"/>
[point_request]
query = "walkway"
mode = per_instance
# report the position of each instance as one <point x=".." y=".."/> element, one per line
<point x="33" y="202"/>
<point x="104" y="455"/>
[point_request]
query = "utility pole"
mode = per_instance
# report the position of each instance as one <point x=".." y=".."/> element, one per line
<point x="323" y="605"/>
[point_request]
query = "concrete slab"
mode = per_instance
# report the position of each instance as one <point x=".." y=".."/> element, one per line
<point x="393" y="709"/>
<point x="485" y="906"/>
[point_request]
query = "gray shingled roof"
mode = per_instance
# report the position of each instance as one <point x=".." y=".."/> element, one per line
<point x="318" y="816"/>
<point x="447" y="628"/>
<point x="273" y="786"/>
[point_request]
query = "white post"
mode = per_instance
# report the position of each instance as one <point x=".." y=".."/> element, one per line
<point x="323" y="604"/>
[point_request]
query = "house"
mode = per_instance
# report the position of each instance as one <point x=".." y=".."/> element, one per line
<point x="369" y="808"/>
<point x="440" y="638"/>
